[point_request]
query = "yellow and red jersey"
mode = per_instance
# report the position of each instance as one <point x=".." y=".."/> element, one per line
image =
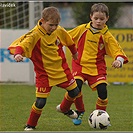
<point x="46" y="53"/>
<point x="92" y="46"/>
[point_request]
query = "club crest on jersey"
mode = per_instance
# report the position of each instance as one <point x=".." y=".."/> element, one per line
<point x="101" y="43"/>
<point x="101" y="46"/>
<point x="57" y="42"/>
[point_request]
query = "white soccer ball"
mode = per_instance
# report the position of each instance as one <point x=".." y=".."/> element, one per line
<point x="99" y="119"/>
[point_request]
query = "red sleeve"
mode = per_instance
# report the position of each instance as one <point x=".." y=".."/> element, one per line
<point x="73" y="49"/>
<point x="18" y="50"/>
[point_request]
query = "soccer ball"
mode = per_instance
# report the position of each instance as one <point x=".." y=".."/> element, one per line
<point x="99" y="119"/>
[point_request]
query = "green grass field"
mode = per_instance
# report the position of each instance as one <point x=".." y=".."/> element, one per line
<point x="16" y="101"/>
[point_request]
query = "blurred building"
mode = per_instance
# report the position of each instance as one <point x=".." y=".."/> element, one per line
<point x="67" y="19"/>
<point x="126" y="19"/>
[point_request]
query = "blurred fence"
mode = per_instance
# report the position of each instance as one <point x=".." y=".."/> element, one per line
<point x="16" y="14"/>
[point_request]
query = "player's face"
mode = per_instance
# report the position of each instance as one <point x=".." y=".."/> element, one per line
<point x="98" y="20"/>
<point x="49" y="26"/>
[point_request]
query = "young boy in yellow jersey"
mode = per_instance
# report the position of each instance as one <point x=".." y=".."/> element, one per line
<point x="43" y="45"/>
<point x="93" y="41"/>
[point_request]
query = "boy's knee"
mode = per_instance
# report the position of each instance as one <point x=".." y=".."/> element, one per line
<point x="73" y="93"/>
<point x="102" y="91"/>
<point x="40" y="102"/>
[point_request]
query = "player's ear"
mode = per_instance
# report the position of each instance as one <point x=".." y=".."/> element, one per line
<point x="90" y="16"/>
<point x="42" y="20"/>
<point x="107" y="18"/>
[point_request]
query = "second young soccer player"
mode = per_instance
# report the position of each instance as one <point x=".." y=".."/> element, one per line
<point x="94" y="41"/>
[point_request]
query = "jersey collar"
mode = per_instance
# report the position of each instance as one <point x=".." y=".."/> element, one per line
<point x="103" y="31"/>
<point x="42" y="30"/>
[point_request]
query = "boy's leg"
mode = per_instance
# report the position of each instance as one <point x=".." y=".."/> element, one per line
<point x="35" y="113"/>
<point x="102" y="100"/>
<point x="37" y="107"/>
<point x="66" y="103"/>
<point x="79" y="99"/>
<point x="79" y="104"/>
<point x="70" y="95"/>
<point x="99" y="83"/>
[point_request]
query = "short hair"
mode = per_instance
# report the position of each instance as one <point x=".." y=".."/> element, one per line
<point x="51" y="13"/>
<point x="99" y="7"/>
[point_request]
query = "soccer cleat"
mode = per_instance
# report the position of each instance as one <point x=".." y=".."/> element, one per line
<point x="71" y="113"/>
<point x="29" y="128"/>
<point x="58" y="108"/>
<point x="78" y="120"/>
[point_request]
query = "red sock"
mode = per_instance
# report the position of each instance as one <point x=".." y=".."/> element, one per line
<point x="66" y="103"/>
<point x="101" y="108"/>
<point x="34" y="116"/>
<point x="79" y="103"/>
<point x="101" y="104"/>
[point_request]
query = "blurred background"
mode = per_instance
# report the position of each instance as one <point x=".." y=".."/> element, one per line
<point x="16" y="14"/>
<point x="17" y="18"/>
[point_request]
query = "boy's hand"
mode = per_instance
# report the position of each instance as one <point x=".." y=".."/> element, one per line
<point x="75" y="56"/>
<point x="18" y="57"/>
<point x="117" y="64"/>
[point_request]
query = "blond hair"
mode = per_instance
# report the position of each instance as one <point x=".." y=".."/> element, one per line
<point x="51" y="13"/>
<point x="99" y="7"/>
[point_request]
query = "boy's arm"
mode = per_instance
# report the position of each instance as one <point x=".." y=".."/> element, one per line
<point x="74" y="52"/>
<point x="114" y="49"/>
<point x="18" y="54"/>
<point x="118" y="62"/>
